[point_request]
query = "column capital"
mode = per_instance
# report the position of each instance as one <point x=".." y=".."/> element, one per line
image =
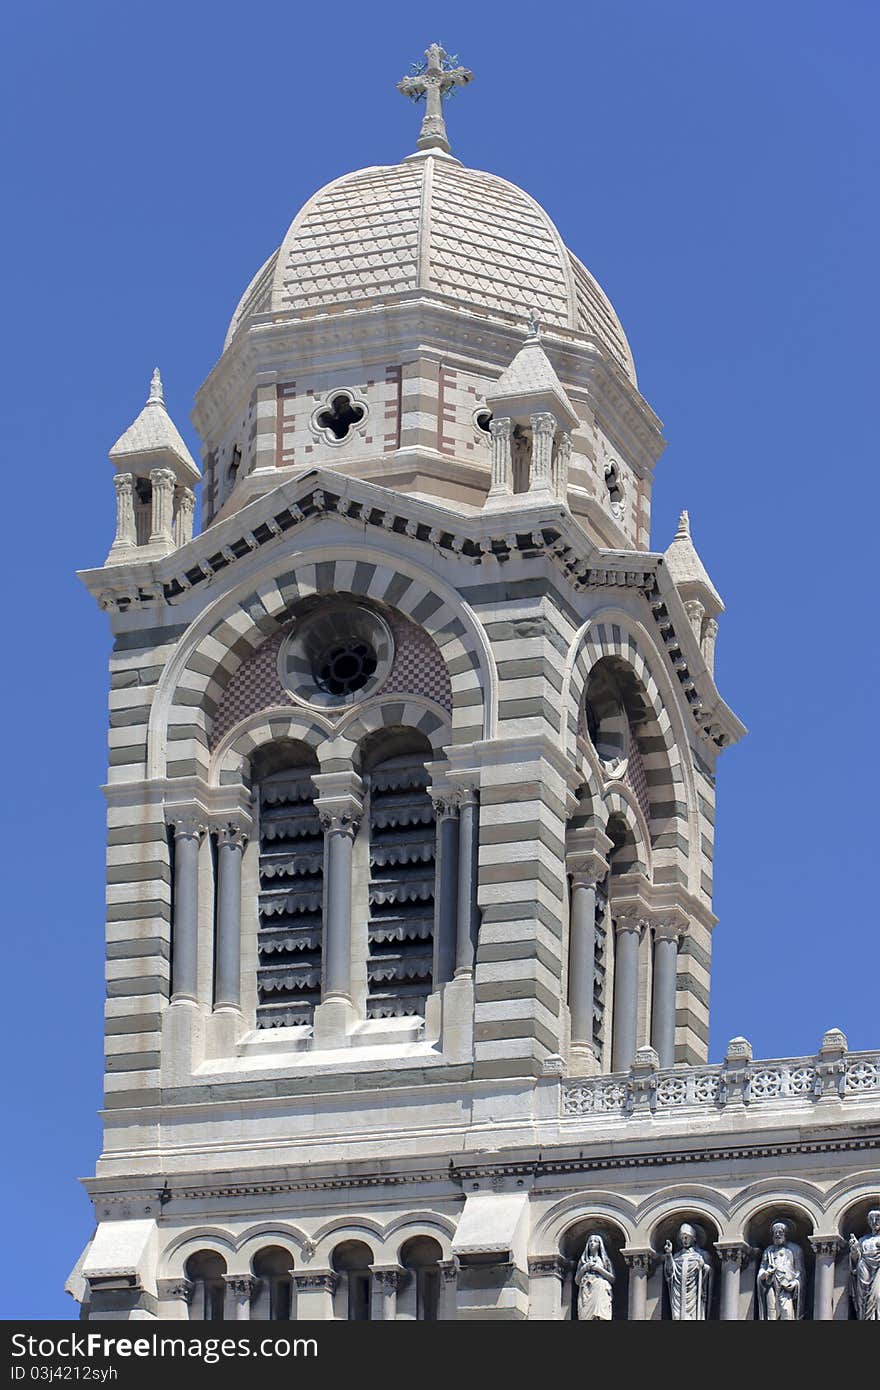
<point x="230" y="833"/>
<point x="187" y="825"/>
<point x="182" y="1289"/>
<point x="631" y="919"/>
<point x="669" y="926"/>
<point x="388" y="1278"/>
<point x="501" y="427"/>
<point x="640" y="1259"/>
<point x="827" y="1244"/>
<point x="448" y="1269"/>
<point x="123" y="481"/>
<point x="542" y="422"/>
<point x="340" y="799"/>
<point x="736" y="1253"/>
<point x="586" y="869"/>
<point x="162" y="477"/>
<point x="445" y="802"/>
<point x="325" y="1279"/>
<point x="554" y="1266"/>
<point x="241" y="1285"/>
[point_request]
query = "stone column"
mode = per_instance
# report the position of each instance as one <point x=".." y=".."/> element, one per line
<point x="314" y="1295"/>
<point x="231" y="841"/>
<point x="501" y="434"/>
<point x="183" y="519"/>
<point x="468" y="846"/>
<point x="666" y="938"/>
<point x="543" y="429"/>
<point x="695" y="612"/>
<point x="628" y="930"/>
<point x="385" y="1282"/>
<point x="734" y="1256"/>
<point x="710" y="633"/>
<point x="448" y="1285"/>
<point x="162" y="480"/>
<point x="188" y="832"/>
<point x="126" y="535"/>
<point x="586" y="871"/>
<point x="239" y="1292"/>
<point x="340" y="829"/>
<point x="639" y="1263"/>
<point x="561" y="461"/>
<point x="445" y="888"/>
<point x="546" y="1283"/>
<point x="826" y="1249"/>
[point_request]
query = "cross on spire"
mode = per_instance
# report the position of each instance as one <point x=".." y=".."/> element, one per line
<point x="431" y="81"/>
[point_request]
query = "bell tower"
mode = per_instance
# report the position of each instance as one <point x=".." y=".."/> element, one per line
<point x="411" y="787"/>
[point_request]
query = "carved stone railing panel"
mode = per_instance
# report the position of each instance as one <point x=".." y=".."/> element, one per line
<point x="786" y="1081"/>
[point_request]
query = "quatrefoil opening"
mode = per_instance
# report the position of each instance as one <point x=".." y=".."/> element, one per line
<point x="339" y="417"/>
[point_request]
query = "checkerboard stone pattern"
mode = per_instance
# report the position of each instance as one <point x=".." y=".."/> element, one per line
<point x="417" y="669"/>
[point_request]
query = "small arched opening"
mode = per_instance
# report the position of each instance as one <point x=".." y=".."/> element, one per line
<point x="272" y="1297"/>
<point x="572" y="1245"/>
<point x="759" y="1235"/>
<point x="421" y="1256"/>
<point x="206" y="1270"/>
<point x="291" y="893"/>
<point x="703" y="1289"/>
<point x="400" y="924"/>
<point x="352" y="1260"/>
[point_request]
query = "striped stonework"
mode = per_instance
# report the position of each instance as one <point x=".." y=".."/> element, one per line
<point x="241" y="630"/>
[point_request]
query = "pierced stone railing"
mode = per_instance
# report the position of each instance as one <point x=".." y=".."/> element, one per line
<point x="834" y="1073"/>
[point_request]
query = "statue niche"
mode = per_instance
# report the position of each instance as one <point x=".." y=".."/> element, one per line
<point x="594" y="1280"/>
<point x="782" y="1276"/>
<point x="687" y="1270"/>
<point x="864" y="1258"/>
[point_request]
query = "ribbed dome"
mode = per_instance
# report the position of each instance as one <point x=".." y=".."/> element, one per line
<point x="431" y="224"/>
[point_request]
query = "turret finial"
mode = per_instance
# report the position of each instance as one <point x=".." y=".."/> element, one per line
<point x="430" y="82"/>
<point x="157" y="396"/>
<point x="534" y="324"/>
<point x="684" y="526"/>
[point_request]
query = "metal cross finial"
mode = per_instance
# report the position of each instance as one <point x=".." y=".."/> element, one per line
<point x="432" y="80"/>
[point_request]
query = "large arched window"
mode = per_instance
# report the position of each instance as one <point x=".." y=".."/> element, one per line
<point x="401" y="889"/>
<point x="206" y="1270"/>
<point x="422" y="1256"/>
<point x="291" y="884"/>
<point x="352" y="1260"/>
<point x="272" y="1301"/>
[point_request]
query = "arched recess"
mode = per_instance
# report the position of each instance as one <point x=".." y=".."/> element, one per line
<point x="571" y="1246"/>
<point x="351" y="1259"/>
<point x="232" y="627"/>
<point x="400" y="833"/>
<point x="290" y="898"/>
<point x="615" y="637"/>
<point x="206" y="1271"/>
<point x="272" y="1298"/>
<point x="419" y="1298"/>
<point x="620" y="808"/>
<point x="799" y="1225"/>
<point x="177" y="1252"/>
<point x="230" y="764"/>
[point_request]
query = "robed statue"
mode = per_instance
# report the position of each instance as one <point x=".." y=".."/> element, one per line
<point x="594" y="1277"/>
<point x="688" y="1274"/>
<point x="864" y="1256"/>
<point x="781" y="1281"/>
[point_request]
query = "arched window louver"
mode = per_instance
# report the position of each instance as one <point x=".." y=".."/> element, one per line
<point x="291" y="888"/>
<point x="401" y="890"/>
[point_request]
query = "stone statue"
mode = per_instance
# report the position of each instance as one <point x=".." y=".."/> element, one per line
<point x="688" y="1276"/>
<point x="781" y="1277"/>
<point x="594" y="1277"/>
<point x="864" y="1256"/>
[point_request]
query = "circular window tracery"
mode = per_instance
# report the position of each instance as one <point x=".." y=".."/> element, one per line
<point x="338" y="653"/>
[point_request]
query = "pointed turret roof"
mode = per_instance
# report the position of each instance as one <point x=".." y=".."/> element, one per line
<point x="688" y="572"/>
<point x="153" y="441"/>
<point x="530" y="384"/>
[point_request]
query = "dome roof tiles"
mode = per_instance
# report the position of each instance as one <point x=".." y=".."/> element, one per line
<point x="429" y="223"/>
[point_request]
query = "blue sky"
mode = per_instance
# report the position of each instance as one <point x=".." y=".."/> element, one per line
<point x="714" y="164"/>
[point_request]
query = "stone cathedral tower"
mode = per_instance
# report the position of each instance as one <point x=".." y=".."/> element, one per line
<point x="410" y="812"/>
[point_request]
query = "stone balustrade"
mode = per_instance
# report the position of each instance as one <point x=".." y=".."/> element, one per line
<point x="739" y="1080"/>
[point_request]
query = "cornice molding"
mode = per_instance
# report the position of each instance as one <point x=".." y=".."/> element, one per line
<point x="522" y="532"/>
